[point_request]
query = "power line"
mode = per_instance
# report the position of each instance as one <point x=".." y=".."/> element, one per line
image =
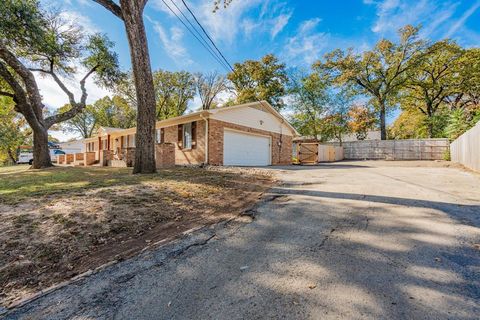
<point x="203" y="43"/>
<point x="198" y="33"/>
<point x="209" y="38"/>
<point x="205" y="32"/>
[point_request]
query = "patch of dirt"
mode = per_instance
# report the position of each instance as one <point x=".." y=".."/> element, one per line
<point x="51" y="238"/>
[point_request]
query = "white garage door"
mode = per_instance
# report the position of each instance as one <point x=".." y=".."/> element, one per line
<point x="241" y="149"/>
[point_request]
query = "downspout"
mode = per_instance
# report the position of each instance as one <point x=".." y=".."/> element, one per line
<point x="206" y="137"/>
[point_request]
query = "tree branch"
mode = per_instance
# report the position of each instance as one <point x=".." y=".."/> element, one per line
<point x="83" y="99"/>
<point x="32" y="91"/>
<point x="112" y="7"/>
<point x="22" y="103"/>
<point x="7" y="94"/>
<point x="64" y="88"/>
<point x="76" y="107"/>
<point x="143" y="3"/>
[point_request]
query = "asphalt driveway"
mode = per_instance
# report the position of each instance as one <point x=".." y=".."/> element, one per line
<point x="353" y="240"/>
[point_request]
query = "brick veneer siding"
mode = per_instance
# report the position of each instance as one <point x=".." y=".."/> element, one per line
<point x="89" y="158"/>
<point x="165" y="155"/>
<point x="68" y="158"/>
<point x="61" y="159"/>
<point x="281" y="144"/>
<point x="187" y="156"/>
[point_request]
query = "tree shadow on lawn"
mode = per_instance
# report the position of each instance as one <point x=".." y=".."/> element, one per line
<point x="49" y="238"/>
<point x="324" y="255"/>
<point x="16" y="187"/>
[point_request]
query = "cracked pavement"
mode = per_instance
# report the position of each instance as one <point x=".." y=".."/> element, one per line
<point x="352" y="240"/>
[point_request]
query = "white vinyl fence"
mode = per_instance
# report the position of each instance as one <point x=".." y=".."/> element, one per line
<point x="411" y="149"/>
<point x="466" y="149"/>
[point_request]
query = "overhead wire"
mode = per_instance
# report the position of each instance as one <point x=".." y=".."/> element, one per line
<point x="208" y="36"/>
<point x="204" y="43"/>
<point x="226" y="62"/>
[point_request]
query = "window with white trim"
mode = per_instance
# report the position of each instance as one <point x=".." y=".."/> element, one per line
<point x="159" y="136"/>
<point x="187" y="136"/>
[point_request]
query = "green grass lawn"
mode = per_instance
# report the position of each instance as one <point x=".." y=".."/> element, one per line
<point x="61" y="221"/>
<point x="19" y="182"/>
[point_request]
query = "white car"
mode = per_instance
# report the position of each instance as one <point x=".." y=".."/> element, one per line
<point x="27" y="156"/>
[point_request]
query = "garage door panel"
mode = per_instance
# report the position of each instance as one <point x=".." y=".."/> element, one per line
<point x="245" y="149"/>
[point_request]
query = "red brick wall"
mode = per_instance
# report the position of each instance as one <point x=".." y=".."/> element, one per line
<point x="281" y="144"/>
<point x="165" y="155"/>
<point x="188" y="156"/>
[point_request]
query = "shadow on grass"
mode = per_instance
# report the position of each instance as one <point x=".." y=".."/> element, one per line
<point x="18" y="186"/>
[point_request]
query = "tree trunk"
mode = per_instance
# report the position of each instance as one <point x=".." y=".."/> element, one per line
<point x="430" y="120"/>
<point x="383" y="127"/>
<point x="430" y="129"/>
<point x="11" y="156"/>
<point x="137" y="39"/>
<point x="41" y="153"/>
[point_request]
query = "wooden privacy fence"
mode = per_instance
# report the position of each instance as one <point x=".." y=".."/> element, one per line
<point x="312" y="152"/>
<point x="411" y="149"/>
<point x="466" y="149"/>
<point x="307" y="152"/>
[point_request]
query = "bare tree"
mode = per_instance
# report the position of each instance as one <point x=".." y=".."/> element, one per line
<point x="209" y="86"/>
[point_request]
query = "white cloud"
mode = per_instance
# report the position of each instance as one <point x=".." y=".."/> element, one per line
<point x="279" y="23"/>
<point x="239" y="18"/>
<point x="224" y="24"/>
<point x="249" y="26"/>
<point x="307" y="45"/>
<point x="394" y="14"/>
<point x="309" y="25"/>
<point x="75" y="18"/>
<point x="461" y="22"/>
<point x="435" y="17"/>
<point x="172" y="43"/>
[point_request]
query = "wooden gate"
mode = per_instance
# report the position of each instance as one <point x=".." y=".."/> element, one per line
<point x="308" y="153"/>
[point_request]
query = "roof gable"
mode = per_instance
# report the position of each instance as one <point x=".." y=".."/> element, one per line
<point x="262" y="106"/>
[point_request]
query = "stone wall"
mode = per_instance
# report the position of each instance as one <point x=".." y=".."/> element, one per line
<point x="281" y="144"/>
<point x="105" y="157"/>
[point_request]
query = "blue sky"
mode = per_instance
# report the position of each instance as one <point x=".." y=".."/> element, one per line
<point x="298" y="32"/>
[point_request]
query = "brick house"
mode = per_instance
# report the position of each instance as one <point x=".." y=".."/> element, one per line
<point x="252" y="134"/>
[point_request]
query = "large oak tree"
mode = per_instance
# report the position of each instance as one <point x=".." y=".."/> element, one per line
<point x="378" y="73"/>
<point x="257" y="80"/>
<point x="33" y="40"/>
<point x="435" y="78"/>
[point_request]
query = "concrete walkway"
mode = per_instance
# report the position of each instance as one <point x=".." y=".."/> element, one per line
<point x="354" y="240"/>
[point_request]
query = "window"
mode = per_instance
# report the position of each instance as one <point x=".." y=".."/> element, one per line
<point x="58" y="152"/>
<point x="159" y="136"/>
<point x="187" y="136"/>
